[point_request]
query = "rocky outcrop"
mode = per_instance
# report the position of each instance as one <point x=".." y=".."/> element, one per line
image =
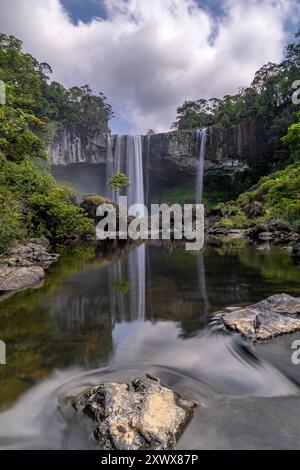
<point x="33" y="252"/>
<point x="142" y="415"/>
<point x="172" y="155"/>
<point x="24" y="266"/>
<point x="18" y="278"/>
<point x="277" y="315"/>
<point x="68" y="146"/>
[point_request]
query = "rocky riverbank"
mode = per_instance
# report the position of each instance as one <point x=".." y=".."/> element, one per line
<point x="25" y="265"/>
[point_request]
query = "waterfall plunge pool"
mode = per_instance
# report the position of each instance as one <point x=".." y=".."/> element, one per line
<point x="111" y="318"/>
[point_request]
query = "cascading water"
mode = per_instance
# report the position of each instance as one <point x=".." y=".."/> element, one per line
<point x="134" y="166"/>
<point x="147" y="190"/>
<point x="128" y="159"/>
<point x="109" y="167"/>
<point x="201" y="140"/>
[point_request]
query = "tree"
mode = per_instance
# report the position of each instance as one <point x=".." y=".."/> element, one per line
<point x="118" y="182"/>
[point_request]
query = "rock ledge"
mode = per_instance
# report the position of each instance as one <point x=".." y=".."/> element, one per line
<point x="277" y="315"/>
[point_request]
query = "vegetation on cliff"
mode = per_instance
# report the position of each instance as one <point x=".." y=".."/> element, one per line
<point x="268" y="99"/>
<point x="276" y="197"/>
<point x="31" y="201"/>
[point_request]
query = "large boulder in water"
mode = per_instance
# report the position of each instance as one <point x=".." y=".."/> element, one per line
<point x="142" y="415"/>
<point x="274" y="316"/>
<point x="14" y="279"/>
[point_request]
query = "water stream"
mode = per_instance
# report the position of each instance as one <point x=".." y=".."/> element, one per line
<point x="201" y="139"/>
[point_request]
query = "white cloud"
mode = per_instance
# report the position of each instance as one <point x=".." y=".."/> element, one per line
<point x="148" y="56"/>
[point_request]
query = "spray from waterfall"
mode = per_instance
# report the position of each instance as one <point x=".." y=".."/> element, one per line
<point x="201" y="141"/>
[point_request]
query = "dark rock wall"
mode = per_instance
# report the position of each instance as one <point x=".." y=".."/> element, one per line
<point x="172" y="156"/>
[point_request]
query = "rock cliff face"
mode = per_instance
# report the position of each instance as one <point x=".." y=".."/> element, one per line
<point x="172" y="156"/>
<point x="68" y="146"/>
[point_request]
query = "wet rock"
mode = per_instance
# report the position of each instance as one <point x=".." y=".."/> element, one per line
<point x="142" y="415"/>
<point x="32" y="253"/>
<point x="265" y="236"/>
<point x="238" y="234"/>
<point x="14" y="279"/>
<point x="274" y="316"/>
<point x="264" y="248"/>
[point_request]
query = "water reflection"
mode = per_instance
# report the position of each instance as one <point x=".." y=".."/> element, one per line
<point x="148" y="311"/>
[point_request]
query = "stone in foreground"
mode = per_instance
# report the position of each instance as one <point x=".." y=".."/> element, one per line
<point x="277" y="315"/>
<point x="14" y="279"/>
<point x="143" y="415"/>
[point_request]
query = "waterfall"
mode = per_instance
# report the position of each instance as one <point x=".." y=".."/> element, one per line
<point x="201" y="140"/>
<point x="118" y="164"/>
<point x="134" y="166"/>
<point x="147" y="191"/>
<point x="109" y="167"/>
<point x="128" y="160"/>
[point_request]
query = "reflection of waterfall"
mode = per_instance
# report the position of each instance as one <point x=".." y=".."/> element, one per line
<point x="201" y="140"/>
<point x="128" y="160"/>
<point x="202" y="282"/>
<point x="128" y="305"/>
<point x="137" y="275"/>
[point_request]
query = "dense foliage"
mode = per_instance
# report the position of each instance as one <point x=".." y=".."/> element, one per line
<point x="268" y="97"/>
<point x="30" y="201"/>
<point x="275" y="198"/>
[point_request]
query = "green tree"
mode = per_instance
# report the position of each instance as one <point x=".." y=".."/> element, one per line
<point x="118" y="182"/>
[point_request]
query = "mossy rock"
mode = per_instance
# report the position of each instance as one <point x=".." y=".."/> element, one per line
<point x="91" y="202"/>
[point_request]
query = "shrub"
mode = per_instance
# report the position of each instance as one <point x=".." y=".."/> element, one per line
<point x="54" y="217"/>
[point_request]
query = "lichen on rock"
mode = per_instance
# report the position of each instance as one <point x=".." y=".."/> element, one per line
<point x="142" y="415"/>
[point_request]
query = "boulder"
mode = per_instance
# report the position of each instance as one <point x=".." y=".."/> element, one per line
<point x="33" y="252"/>
<point x="264" y="248"/>
<point x="91" y="203"/>
<point x="142" y="415"/>
<point x="274" y="316"/>
<point x="14" y="279"/>
<point x="265" y="236"/>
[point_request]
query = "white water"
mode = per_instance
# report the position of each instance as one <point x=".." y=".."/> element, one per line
<point x="128" y="160"/>
<point x="201" y="140"/>
<point x="109" y="167"/>
<point x="134" y="168"/>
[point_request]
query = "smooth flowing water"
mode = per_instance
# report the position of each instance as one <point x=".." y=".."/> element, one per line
<point x="150" y="310"/>
<point x="201" y="139"/>
<point x="129" y="160"/>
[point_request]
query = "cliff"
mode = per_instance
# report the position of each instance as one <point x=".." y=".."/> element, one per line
<point x="170" y="157"/>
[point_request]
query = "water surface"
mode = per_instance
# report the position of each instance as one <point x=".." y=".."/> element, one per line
<point x="114" y="317"/>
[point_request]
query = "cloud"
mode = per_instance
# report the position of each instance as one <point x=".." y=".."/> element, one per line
<point x="148" y="56"/>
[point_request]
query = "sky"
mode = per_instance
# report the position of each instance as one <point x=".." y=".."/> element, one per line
<point x="148" y="56"/>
